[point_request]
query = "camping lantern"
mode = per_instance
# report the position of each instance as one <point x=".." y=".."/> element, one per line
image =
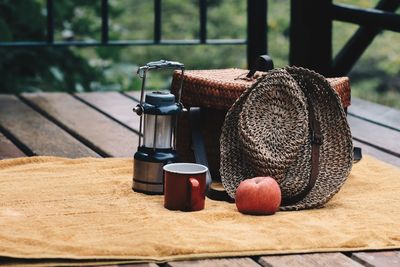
<point x="158" y="117"/>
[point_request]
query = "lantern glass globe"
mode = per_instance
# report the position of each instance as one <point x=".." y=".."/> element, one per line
<point x="157" y="131"/>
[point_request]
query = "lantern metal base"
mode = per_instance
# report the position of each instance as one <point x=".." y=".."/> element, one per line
<point x="148" y="175"/>
<point x="151" y="189"/>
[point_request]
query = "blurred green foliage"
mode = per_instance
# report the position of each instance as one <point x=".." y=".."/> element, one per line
<point x="40" y="68"/>
<point x="375" y="76"/>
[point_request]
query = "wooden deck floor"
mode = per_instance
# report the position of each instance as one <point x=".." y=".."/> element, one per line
<point x="103" y="125"/>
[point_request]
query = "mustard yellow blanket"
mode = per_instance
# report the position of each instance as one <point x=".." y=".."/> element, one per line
<point x="85" y="209"/>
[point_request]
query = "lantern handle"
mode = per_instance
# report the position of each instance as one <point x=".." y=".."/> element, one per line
<point x="161" y="64"/>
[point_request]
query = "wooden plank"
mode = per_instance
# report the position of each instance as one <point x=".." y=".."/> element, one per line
<point x="148" y="264"/>
<point x="102" y="134"/>
<point x="71" y="262"/>
<point x="376" y="135"/>
<point x="115" y="105"/>
<point x="135" y="95"/>
<point x="37" y="133"/>
<point x="309" y="260"/>
<point x="228" y="262"/>
<point x="375" y="113"/>
<point x="382" y="258"/>
<point x="363" y="127"/>
<point x="361" y="130"/>
<point x="379" y="154"/>
<point x="8" y="149"/>
<point x="367" y="131"/>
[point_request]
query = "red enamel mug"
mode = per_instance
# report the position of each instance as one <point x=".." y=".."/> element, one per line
<point x="184" y="186"/>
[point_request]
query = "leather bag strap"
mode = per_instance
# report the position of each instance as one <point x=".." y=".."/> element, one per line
<point x="316" y="142"/>
<point x="357" y="154"/>
<point x="214" y="190"/>
<point x="198" y="147"/>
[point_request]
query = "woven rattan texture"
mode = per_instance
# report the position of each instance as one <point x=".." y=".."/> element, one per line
<point x="266" y="132"/>
<point x="219" y="88"/>
<point x="215" y="91"/>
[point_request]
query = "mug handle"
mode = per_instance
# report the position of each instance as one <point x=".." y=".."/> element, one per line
<point x="194" y="195"/>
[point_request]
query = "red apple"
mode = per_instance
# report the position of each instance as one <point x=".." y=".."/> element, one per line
<point x="259" y="196"/>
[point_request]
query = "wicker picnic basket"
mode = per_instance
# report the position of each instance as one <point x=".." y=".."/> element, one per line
<point x="214" y="91"/>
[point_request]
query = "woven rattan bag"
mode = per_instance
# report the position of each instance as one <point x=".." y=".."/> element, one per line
<point x="215" y="91"/>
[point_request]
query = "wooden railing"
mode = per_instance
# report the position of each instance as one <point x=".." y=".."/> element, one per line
<point x="310" y="32"/>
<point x="256" y="38"/>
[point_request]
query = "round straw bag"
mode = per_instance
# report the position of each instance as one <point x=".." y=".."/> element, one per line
<point x="290" y="125"/>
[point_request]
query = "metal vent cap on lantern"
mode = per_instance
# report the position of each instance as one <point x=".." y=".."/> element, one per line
<point x="158" y="115"/>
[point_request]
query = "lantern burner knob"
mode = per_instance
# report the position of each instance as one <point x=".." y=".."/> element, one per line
<point x="138" y="110"/>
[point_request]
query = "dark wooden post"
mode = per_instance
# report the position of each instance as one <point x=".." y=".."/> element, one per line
<point x="104" y="22"/>
<point x="157" y="21"/>
<point x="311" y="35"/>
<point x="203" y="21"/>
<point x="50" y="21"/>
<point x="256" y="30"/>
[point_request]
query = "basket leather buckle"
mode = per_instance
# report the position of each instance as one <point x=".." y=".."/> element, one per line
<point x="316" y="138"/>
